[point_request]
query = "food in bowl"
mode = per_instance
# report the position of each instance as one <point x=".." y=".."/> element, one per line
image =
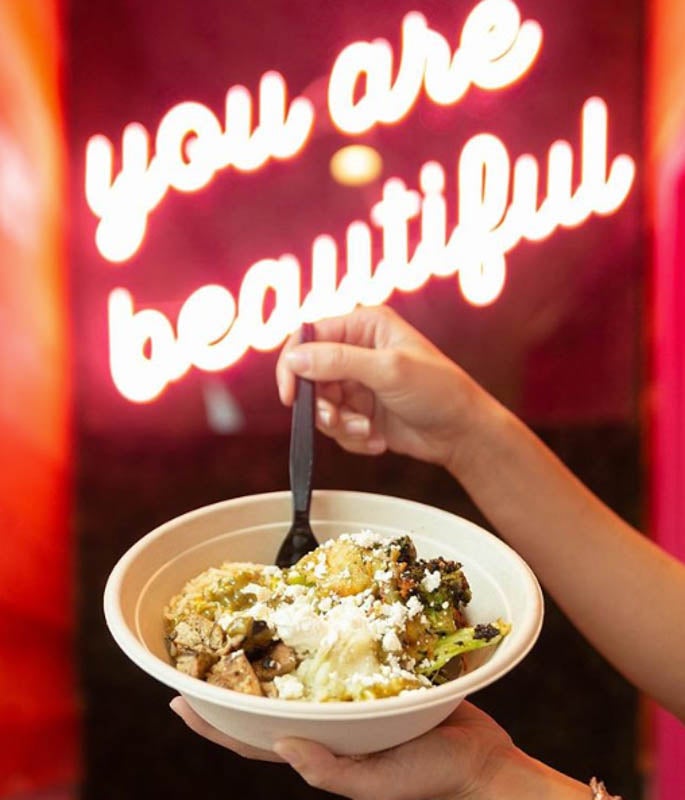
<point x="251" y="529"/>
<point x="358" y="618"/>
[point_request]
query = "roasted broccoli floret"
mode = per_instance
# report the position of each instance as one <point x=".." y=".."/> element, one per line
<point x="442" y="589"/>
<point x="406" y="552"/>
<point x="448" y="647"/>
<point x="435" y="582"/>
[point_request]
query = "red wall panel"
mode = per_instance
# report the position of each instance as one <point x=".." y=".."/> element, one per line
<point x="38" y="710"/>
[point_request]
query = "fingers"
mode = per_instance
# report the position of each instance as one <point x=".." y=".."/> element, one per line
<point x="285" y="379"/>
<point x="348" y="395"/>
<point x="426" y="767"/>
<point x="344" y="409"/>
<point x="328" y="330"/>
<point x="353" y="431"/>
<point x="364" y="329"/>
<point x="339" y="370"/>
<point x="334" y="361"/>
<point x="179" y="706"/>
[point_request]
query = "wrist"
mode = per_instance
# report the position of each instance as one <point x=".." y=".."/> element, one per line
<point x="524" y="778"/>
<point x="483" y="428"/>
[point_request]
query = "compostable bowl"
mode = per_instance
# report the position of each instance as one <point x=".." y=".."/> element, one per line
<point x="251" y="529"/>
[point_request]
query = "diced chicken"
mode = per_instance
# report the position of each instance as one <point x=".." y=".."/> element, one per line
<point x="198" y="634"/>
<point x="196" y="665"/>
<point x="192" y="632"/>
<point x="235" y="672"/>
<point x="216" y="640"/>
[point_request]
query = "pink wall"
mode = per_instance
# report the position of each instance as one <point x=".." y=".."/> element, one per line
<point x="666" y="153"/>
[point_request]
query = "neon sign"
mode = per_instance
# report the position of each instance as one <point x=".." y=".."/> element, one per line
<point x="495" y="50"/>
<point x="187" y="164"/>
<point x="496" y="205"/>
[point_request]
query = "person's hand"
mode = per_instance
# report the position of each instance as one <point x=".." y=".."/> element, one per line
<point x="382" y="385"/>
<point x="461" y="758"/>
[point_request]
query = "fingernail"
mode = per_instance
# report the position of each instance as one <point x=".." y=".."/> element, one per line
<point x="172" y="704"/>
<point x="298" y="360"/>
<point x="290" y="752"/>
<point x="324" y="415"/>
<point x="376" y="445"/>
<point x="358" y="426"/>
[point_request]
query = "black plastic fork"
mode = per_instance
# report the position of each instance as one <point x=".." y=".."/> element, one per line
<point x="300" y="538"/>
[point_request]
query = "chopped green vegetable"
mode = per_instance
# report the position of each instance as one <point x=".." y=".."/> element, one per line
<point x="462" y="641"/>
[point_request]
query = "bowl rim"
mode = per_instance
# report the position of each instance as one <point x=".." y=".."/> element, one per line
<point x="524" y="636"/>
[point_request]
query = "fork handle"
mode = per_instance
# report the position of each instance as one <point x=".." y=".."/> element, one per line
<point x="302" y="438"/>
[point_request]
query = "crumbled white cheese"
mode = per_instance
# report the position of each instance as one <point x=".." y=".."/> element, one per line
<point x="396" y="614"/>
<point x="272" y="572"/>
<point x="382" y="576"/>
<point x="261" y="593"/>
<point x="366" y="538"/>
<point x="298" y="624"/>
<point x="325" y="604"/>
<point x="294" y="590"/>
<point x="414" y="606"/>
<point x="391" y="642"/>
<point x="321" y="568"/>
<point x="431" y="581"/>
<point x="289" y="687"/>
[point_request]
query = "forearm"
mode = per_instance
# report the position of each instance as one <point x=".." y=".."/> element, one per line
<point x="520" y="777"/>
<point x="623" y="593"/>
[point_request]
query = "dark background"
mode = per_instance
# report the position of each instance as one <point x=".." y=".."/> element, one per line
<point x="561" y="346"/>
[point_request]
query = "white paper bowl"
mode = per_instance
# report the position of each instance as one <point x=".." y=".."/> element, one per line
<point x="251" y="529"/>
